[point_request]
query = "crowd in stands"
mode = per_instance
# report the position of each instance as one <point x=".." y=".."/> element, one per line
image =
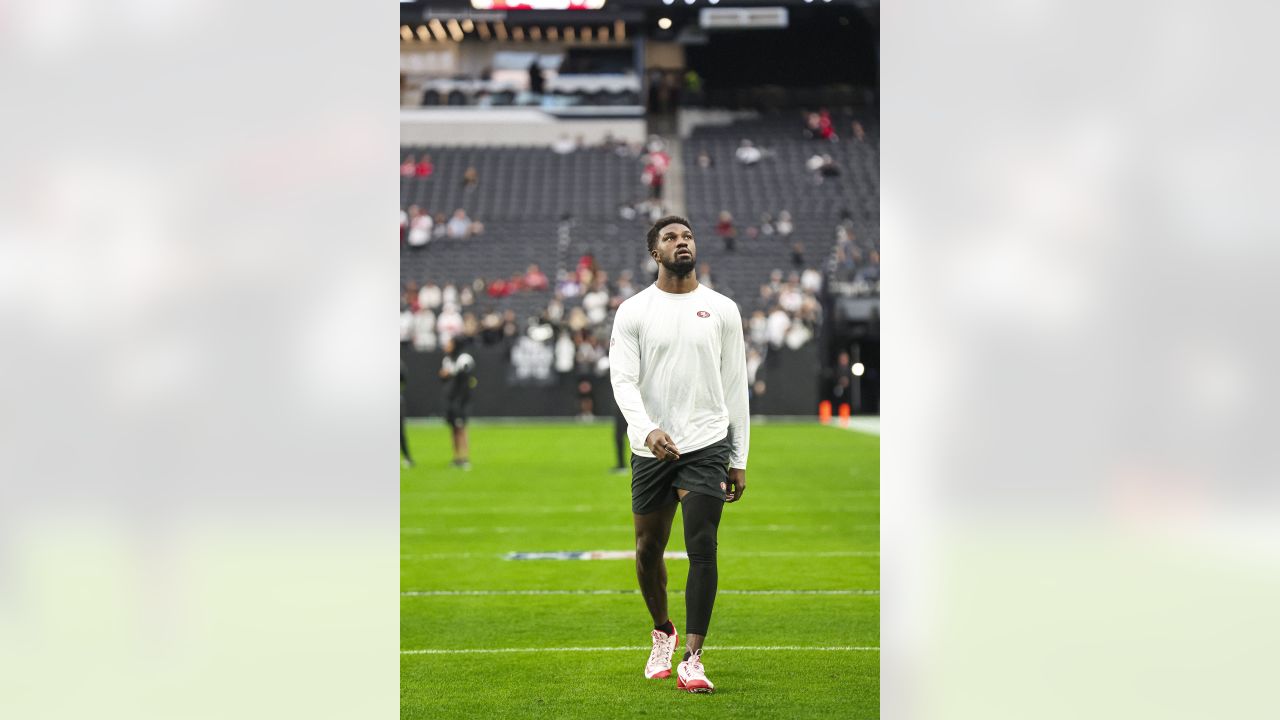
<point x="567" y="333"/>
<point x="570" y="335"/>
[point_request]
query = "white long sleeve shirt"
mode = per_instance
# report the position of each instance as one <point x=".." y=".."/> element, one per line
<point x="678" y="363"/>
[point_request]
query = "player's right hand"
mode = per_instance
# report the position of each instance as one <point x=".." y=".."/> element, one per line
<point x="662" y="446"/>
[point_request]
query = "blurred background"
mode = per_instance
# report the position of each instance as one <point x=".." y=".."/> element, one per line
<point x="541" y="139"/>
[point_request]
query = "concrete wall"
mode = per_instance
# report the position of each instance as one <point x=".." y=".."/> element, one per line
<point x="506" y="126"/>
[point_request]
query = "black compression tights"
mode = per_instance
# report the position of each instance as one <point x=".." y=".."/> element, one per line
<point x="701" y="521"/>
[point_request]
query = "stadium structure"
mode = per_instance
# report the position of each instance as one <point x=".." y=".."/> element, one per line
<point x="539" y="139"/>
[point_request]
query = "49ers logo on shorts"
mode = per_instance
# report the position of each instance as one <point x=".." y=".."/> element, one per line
<point x="704" y="314"/>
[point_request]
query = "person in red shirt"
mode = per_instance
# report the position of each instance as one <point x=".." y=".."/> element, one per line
<point x="727" y="232"/>
<point x="408" y="167"/>
<point x="425" y="167"/>
<point x="535" y="279"/>
<point x="826" y="130"/>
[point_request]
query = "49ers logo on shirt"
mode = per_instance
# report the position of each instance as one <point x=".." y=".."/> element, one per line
<point x="704" y="314"/>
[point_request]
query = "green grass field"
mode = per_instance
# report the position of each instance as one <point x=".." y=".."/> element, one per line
<point x="808" y="521"/>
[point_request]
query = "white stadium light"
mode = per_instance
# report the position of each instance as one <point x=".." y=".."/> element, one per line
<point x="664" y="23"/>
<point x="690" y="2"/>
<point x="858" y="369"/>
<point x="667" y="2"/>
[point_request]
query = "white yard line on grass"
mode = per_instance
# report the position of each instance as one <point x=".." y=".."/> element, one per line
<point x="638" y="648"/>
<point x="616" y="528"/>
<point x="630" y="554"/>
<point x="455" y="593"/>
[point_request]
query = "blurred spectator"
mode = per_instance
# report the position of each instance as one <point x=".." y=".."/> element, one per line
<point x="766" y="224"/>
<point x="704" y="275"/>
<point x="424" y="331"/>
<point x="812" y="126"/>
<point x="430" y="297"/>
<point x="811" y="281"/>
<point x="577" y="319"/>
<point x="420" y="225"/>
<point x="654" y="174"/>
<point x="586" y="270"/>
<point x="754" y="360"/>
<point x="509" y="326"/>
<point x="470" y="326"/>
<point x="858" y="132"/>
<point x="448" y="324"/>
<point x="470" y="178"/>
<point x="790" y="298"/>
<point x="531" y="360"/>
<point x="625" y="288"/>
<point x="450" y="294"/>
<point x="704" y="160"/>
<point x="466" y="297"/>
<point x="555" y="310"/>
<point x="408" y="168"/>
<point x="775" y="281"/>
<point x="535" y="279"/>
<point x="459" y="225"/>
<point x="406" y="323"/>
<point x="784" y="225"/>
<point x="828" y="169"/>
<point x="565" y="352"/>
<point x="747" y="153"/>
<point x="870" y="272"/>
<point x="563" y="145"/>
<point x="797" y="254"/>
<point x="425" y="167"/>
<point x="814" y="163"/>
<point x="439" y="228"/>
<point x="753" y="232"/>
<point x="727" y="232"/>
<point x="499" y="288"/>
<point x="626" y="211"/>
<point x="758" y="329"/>
<point x="596" y="303"/>
<point x="649" y="269"/>
<point x="797" y="335"/>
<point x="567" y="284"/>
<point x="491" y="327"/>
<point x="778" y="325"/>
<point x="536" y="82"/>
<point x="826" y="130"/>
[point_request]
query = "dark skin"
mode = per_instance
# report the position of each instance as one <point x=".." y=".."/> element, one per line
<point x="676" y="254"/>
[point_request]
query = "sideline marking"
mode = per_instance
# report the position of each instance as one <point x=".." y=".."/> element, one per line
<point x="455" y="593"/>
<point x="638" y="648"/>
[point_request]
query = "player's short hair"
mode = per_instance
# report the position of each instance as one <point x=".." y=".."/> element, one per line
<point x="652" y="238"/>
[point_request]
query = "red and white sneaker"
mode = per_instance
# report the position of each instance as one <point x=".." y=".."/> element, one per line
<point x="691" y="677"/>
<point x="664" y="646"/>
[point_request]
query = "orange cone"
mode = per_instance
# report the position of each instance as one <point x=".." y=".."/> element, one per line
<point x="824" y="412"/>
<point x="844" y="415"/>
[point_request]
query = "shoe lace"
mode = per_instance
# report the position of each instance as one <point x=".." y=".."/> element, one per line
<point x="660" y="641"/>
<point x="694" y="665"/>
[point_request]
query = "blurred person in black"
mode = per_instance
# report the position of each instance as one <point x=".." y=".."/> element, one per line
<point x="406" y="460"/>
<point x="457" y="371"/>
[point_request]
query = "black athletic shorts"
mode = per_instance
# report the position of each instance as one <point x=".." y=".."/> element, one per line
<point x="456" y="415"/>
<point x="654" y="482"/>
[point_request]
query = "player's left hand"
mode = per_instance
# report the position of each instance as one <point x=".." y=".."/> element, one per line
<point x="736" y="486"/>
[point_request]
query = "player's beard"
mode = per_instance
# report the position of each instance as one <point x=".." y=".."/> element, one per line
<point x="680" y="268"/>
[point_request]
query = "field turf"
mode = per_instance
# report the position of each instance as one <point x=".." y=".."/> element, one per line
<point x="809" y="520"/>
